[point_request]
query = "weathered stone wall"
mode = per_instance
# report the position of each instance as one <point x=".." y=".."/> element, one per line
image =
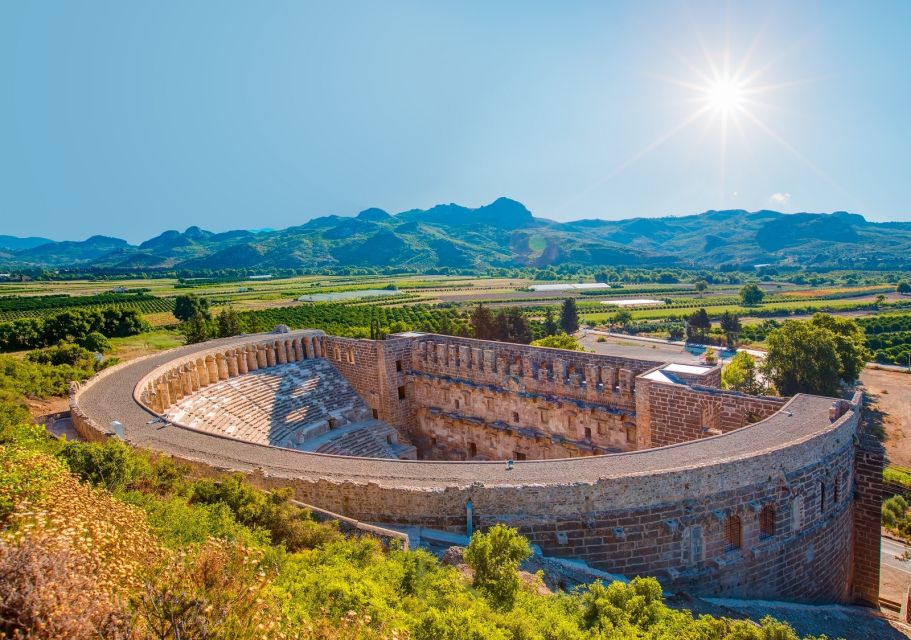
<point x="671" y="525"/>
<point x="377" y="369"/>
<point x="670" y="413"/>
<point x="459" y="420"/>
<point x="806" y="505"/>
<point x="607" y="380"/>
<point x="868" y="498"/>
<point x="475" y="399"/>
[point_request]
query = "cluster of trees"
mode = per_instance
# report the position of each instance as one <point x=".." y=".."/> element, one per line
<point x="197" y="324"/>
<point x="76" y="325"/>
<point x="507" y="324"/>
<point x="803" y="357"/>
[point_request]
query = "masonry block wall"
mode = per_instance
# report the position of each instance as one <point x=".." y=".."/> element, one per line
<point x="868" y="469"/>
<point x="376" y="369"/>
<point x="672" y="413"/>
<point x="797" y="519"/>
<point x="475" y="399"/>
<point x="793" y="509"/>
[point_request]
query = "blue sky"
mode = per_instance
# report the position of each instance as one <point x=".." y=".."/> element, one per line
<point x="129" y="118"/>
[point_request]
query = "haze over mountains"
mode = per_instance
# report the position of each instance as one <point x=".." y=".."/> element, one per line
<point x="501" y="234"/>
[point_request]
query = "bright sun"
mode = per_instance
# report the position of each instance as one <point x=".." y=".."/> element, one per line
<point x="725" y="95"/>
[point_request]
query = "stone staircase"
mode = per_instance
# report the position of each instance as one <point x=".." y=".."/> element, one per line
<point x="290" y="405"/>
<point x="371" y="439"/>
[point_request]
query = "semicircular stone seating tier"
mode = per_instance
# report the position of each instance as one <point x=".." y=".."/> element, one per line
<point x="280" y="393"/>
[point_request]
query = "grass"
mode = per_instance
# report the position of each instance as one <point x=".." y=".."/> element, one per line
<point x="145" y="343"/>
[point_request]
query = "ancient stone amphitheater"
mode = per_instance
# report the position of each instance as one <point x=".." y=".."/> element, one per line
<point x="635" y="467"/>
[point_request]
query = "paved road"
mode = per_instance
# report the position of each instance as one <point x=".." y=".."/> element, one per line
<point x="891" y="551"/>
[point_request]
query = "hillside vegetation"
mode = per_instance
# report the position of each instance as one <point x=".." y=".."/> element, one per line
<point x="103" y="541"/>
<point x="501" y="234"/>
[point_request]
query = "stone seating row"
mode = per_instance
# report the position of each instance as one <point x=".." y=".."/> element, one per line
<point x="282" y="406"/>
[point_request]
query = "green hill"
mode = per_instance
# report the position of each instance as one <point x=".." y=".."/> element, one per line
<point x="503" y="233"/>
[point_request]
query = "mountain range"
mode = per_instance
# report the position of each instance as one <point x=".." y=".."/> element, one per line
<point x="503" y="233"/>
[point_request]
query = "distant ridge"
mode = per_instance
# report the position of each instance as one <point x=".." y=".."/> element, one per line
<point x="503" y="233"/>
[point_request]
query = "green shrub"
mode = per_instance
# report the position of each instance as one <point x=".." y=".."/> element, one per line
<point x="270" y="510"/>
<point x="111" y="464"/>
<point x="495" y="557"/>
<point x="96" y="342"/>
<point x="895" y="514"/>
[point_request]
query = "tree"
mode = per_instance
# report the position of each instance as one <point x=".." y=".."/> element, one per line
<point x="623" y="318"/>
<point x="512" y="326"/>
<point x="559" y="341"/>
<point x="701" y="286"/>
<point x="675" y="332"/>
<point x="482" y="321"/>
<point x="903" y="288"/>
<point x="228" y="323"/>
<point x="697" y="325"/>
<point x="741" y="374"/>
<point x="803" y="358"/>
<point x="569" y="316"/>
<point x="187" y="306"/>
<point x="550" y="325"/>
<point x="95" y="342"/>
<point x="730" y="324"/>
<point x="495" y="557"/>
<point x="850" y="342"/>
<point x="751" y="295"/>
<point x="711" y="356"/>
<point x="196" y="329"/>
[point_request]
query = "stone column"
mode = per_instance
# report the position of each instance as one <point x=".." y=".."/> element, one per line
<point x="626" y="381"/>
<point x="528" y="369"/>
<point x="232" y="363"/>
<point x="185" y="381"/>
<point x="174" y="387"/>
<point x="464" y="358"/>
<point x="202" y="372"/>
<point x="281" y="352"/>
<point x="559" y="371"/>
<point x="609" y="378"/>
<point x="164" y="397"/>
<point x="194" y="376"/>
<point x="261" y="357"/>
<point x="154" y="401"/>
<point x="241" y="361"/>
<point x="212" y="368"/>
<point x="221" y="364"/>
<point x="252" y="364"/>
<point x="317" y="347"/>
<point x="270" y="355"/>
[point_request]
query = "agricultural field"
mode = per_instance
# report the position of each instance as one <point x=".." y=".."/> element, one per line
<point x="356" y="306"/>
